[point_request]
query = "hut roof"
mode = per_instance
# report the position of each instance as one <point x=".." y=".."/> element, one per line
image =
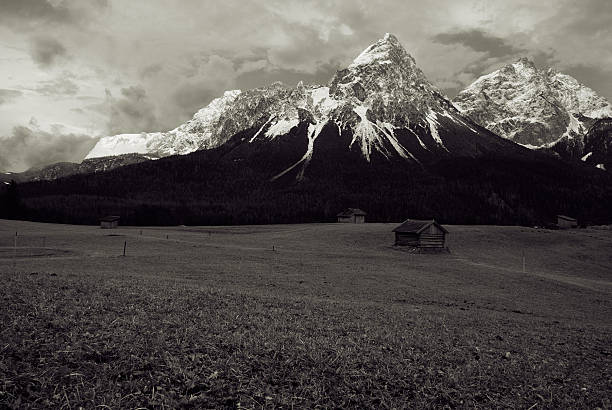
<point x="567" y="218"/>
<point x="110" y="218"/>
<point x="415" y="226"/>
<point x="352" y="211"/>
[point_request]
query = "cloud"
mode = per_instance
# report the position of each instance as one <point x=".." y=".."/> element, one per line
<point x="36" y="10"/>
<point x="63" y="85"/>
<point x="7" y="96"/>
<point x="131" y="113"/>
<point x="25" y="15"/>
<point x="31" y="147"/>
<point x="480" y="41"/>
<point x="150" y="70"/>
<point x="46" y="51"/>
<point x="265" y="76"/>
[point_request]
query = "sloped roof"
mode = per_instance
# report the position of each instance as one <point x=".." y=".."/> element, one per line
<point x="416" y="226"/>
<point x="567" y="218"/>
<point x="110" y="218"/>
<point x="352" y="211"/>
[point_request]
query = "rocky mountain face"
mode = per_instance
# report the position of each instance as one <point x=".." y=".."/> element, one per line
<point x="382" y="103"/>
<point x="533" y="107"/>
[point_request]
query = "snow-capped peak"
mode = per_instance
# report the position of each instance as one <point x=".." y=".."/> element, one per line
<point x="532" y="106"/>
<point x="381" y="52"/>
<point x="382" y="103"/>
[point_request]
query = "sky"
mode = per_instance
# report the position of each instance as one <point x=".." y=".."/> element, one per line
<point x="72" y="71"/>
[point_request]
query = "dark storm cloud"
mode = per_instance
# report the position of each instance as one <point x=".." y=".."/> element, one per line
<point x="39" y="10"/>
<point x="27" y="148"/>
<point x="479" y="41"/>
<point x="46" y="51"/>
<point x="23" y="15"/>
<point x="8" y="95"/>
<point x="61" y="86"/>
<point x="132" y="112"/>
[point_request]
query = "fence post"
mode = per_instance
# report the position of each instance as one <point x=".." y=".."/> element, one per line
<point x="124" y="246"/>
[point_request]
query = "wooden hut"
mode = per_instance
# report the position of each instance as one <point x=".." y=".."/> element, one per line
<point x="109" y="222"/>
<point x="352" y="215"/>
<point x="421" y="234"/>
<point x="565" y="222"/>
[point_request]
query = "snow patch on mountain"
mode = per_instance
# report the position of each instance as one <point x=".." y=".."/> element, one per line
<point x="281" y="127"/>
<point x="432" y="120"/>
<point x="365" y="134"/>
<point x="313" y="132"/>
<point x="122" y="144"/>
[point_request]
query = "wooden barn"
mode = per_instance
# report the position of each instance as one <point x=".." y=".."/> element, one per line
<point x="421" y="234"/>
<point x="109" y="222"/>
<point x="352" y="215"/>
<point x="565" y="222"/>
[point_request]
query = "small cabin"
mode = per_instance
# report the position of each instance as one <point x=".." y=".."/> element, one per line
<point x="421" y="234"/>
<point x="352" y="216"/>
<point x="109" y="222"/>
<point x="565" y="222"/>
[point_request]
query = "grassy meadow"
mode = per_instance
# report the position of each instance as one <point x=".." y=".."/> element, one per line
<point x="303" y="316"/>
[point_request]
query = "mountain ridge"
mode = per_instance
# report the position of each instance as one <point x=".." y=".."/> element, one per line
<point x="538" y="108"/>
<point x="379" y="136"/>
<point x="380" y="92"/>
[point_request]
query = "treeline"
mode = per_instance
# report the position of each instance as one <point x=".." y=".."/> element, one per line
<point x="212" y="189"/>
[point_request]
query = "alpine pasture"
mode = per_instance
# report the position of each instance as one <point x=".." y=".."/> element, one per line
<point x="303" y="316"/>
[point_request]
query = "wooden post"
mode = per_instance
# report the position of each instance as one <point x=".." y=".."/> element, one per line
<point x="124" y="246"/>
<point x="166" y="236"/>
<point x="15" y="253"/>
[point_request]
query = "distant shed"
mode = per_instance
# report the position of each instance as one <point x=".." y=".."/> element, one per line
<point x="565" y="222"/>
<point x="421" y="234"/>
<point x="352" y="215"/>
<point x="109" y="222"/>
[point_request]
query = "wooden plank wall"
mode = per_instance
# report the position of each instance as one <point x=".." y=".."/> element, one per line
<point x="428" y="240"/>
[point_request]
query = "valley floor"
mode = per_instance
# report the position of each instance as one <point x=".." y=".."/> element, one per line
<point x="327" y="315"/>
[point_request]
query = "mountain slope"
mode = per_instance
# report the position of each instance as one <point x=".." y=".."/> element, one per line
<point x="382" y="100"/>
<point x="64" y="169"/>
<point x="598" y="144"/>
<point x="378" y="137"/>
<point x="533" y="107"/>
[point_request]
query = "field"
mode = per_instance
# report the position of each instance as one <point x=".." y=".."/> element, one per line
<point x="303" y="316"/>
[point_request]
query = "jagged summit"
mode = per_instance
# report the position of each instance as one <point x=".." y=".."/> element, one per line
<point x="534" y="107"/>
<point x="387" y="50"/>
<point x="380" y="106"/>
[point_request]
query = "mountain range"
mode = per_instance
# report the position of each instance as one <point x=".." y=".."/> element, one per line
<point x="382" y="100"/>
<point x="378" y="136"/>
